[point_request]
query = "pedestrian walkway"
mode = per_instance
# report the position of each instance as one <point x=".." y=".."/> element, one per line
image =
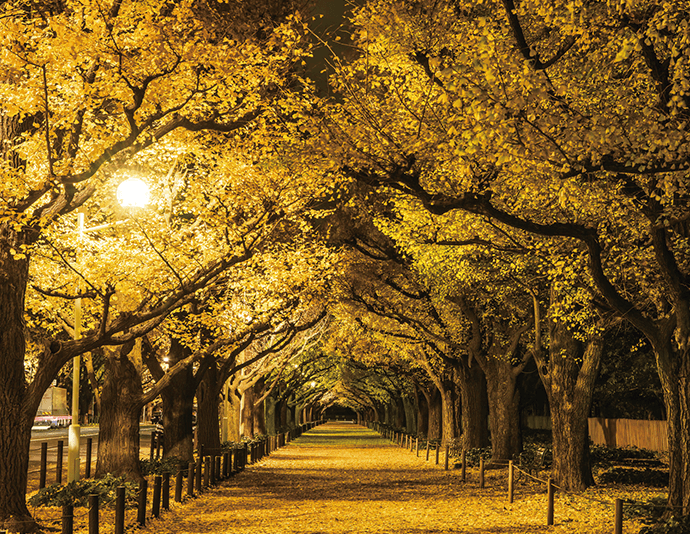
<point x="345" y="478"/>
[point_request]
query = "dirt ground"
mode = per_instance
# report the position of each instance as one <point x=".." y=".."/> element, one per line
<point x="344" y="478"/>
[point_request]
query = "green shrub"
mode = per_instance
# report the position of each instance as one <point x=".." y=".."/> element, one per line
<point x="77" y="493"/>
<point x="603" y="456"/>
<point x="160" y="466"/>
<point x="673" y="525"/>
<point x="642" y="477"/>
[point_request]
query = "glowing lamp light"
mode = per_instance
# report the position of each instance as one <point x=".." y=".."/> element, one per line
<point x="133" y="193"/>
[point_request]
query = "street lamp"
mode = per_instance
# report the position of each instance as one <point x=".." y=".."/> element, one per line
<point x="133" y="192"/>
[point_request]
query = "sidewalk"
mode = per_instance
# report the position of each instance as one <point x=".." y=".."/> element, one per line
<point x="343" y="478"/>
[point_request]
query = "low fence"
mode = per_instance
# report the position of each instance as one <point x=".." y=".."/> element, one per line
<point x="640" y="433"/>
<point x="513" y="471"/>
<point x="210" y="468"/>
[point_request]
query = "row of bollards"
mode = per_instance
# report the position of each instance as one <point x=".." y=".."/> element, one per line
<point x="43" y="470"/>
<point x="206" y="471"/>
<point x="404" y="440"/>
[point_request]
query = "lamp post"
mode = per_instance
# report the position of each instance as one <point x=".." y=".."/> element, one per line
<point x="131" y="193"/>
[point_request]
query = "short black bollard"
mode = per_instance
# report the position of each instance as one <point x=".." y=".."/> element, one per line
<point x="463" y="467"/>
<point x="438" y="450"/>
<point x="44" y="465"/>
<point x="153" y="445"/>
<point x="93" y="514"/>
<point x="165" y="499"/>
<point x="212" y="470"/>
<point x="156" y="505"/>
<point x="190" y="479"/>
<point x="207" y="471"/>
<point x="58" y="466"/>
<point x="446" y="460"/>
<point x="197" y="475"/>
<point x="179" y="479"/>
<point x="141" y="502"/>
<point x="89" y="450"/>
<point x="549" y="511"/>
<point x="481" y="473"/>
<point x="67" y="519"/>
<point x="226" y="464"/>
<point x="217" y="470"/>
<point x="618" y="518"/>
<point x="120" y="510"/>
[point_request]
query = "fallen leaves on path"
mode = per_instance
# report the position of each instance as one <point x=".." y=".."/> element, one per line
<point x="371" y="486"/>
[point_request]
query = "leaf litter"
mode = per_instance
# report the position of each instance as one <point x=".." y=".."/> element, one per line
<point x="344" y="478"/>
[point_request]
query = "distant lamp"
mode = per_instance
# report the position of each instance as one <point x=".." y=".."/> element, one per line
<point x="133" y="193"/>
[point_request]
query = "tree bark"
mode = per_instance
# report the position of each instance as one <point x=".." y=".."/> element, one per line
<point x="504" y="409"/>
<point x="474" y="406"/>
<point x="674" y="372"/>
<point x="569" y="385"/>
<point x="247" y="428"/>
<point x="423" y="409"/>
<point x="208" y="414"/>
<point x="118" y="439"/>
<point x="259" y="414"/>
<point x="178" y="408"/>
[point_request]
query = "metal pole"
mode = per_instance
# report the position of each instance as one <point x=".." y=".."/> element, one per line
<point x="74" y="428"/>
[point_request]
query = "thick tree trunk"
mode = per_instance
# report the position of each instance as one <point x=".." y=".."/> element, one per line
<point x="504" y="409"/>
<point x="435" y="414"/>
<point x="178" y="417"/>
<point x="474" y="406"/>
<point x="118" y="439"/>
<point x="208" y="413"/>
<point x="15" y="422"/>
<point x="448" y="412"/>
<point x="258" y="410"/>
<point x="569" y="385"/>
<point x="234" y="416"/>
<point x="178" y="408"/>
<point x="422" y="411"/>
<point x="674" y="373"/>
<point x="247" y="427"/>
<point x="270" y="415"/>
<point x="410" y="415"/>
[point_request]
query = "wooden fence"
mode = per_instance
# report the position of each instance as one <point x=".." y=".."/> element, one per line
<point x="639" y="433"/>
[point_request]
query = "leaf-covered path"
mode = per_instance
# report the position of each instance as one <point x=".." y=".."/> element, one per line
<point x="341" y="478"/>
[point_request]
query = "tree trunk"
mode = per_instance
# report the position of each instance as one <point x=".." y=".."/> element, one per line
<point x="259" y="414"/>
<point x="270" y="415"/>
<point x="410" y="413"/>
<point x="435" y="414"/>
<point x="15" y="419"/>
<point x="208" y="414"/>
<point x="674" y="368"/>
<point x="234" y="416"/>
<point x="423" y="411"/>
<point x="569" y="385"/>
<point x="448" y="414"/>
<point x="504" y="409"/>
<point x="474" y="406"/>
<point x="118" y="439"/>
<point x="247" y="427"/>
<point x="178" y="408"/>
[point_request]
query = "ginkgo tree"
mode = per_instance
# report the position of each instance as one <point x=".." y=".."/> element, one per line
<point x="563" y="120"/>
<point x="85" y="87"/>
